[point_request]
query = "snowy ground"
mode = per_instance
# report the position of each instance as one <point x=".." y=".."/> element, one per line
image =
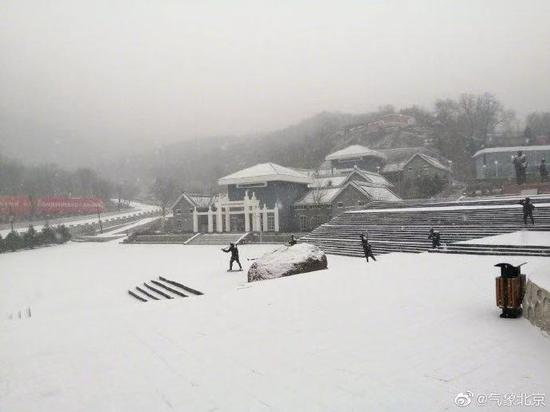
<point x="406" y="333"/>
<point x="519" y="238"/>
<point x="79" y="220"/>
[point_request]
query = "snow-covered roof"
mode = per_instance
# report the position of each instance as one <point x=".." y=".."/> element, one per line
<point x="399" y="166"/>
<point x="265" y="172"/>
<point x="354" y="151"/>
<point x="317" y="196"/>
<point x="511" y="149"/>
<point x="327" y="195"/>
<point x="373" y="177"/>
<point x="328" y="181"/>
<point x="431" y="160"/>
<point x="341" y="179"/>
<point x="197" y="200"/>
<point x="379" y="193"/>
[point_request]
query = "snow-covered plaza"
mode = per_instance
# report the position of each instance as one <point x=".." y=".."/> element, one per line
<point x="408" y="332"/>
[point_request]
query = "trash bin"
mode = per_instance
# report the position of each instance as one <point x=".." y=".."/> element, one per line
<point x="510" y="288"/>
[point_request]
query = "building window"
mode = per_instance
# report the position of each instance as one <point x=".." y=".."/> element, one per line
<point x="340" y="204"/>
<point x="270" y="223"/>
<point x="303" y="223"/>
<point x="177" y="212"/>
<point x="360" y="203"/>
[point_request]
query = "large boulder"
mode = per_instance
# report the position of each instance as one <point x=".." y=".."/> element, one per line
<point x="287" y="261"/>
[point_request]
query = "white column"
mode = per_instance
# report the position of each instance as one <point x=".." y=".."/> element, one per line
<point x="256" y="214"/>
<point x="246" y="213"/>
<point x="210" y="220"/>
<point x="195" y="220"/>
<point x="219" y="222"/>
<point x="227" y="220"/>
<point x="276" y="216"/>
<point x="264" y="217"/>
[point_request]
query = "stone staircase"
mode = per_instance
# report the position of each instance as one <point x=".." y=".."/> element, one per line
<point x="404" y="227"/>
<point x="217" y="238"/>
<point x="162" y="288"/>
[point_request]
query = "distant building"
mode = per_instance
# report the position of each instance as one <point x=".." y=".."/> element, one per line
<point x="416" y="166"/>
<point x="345" y="160"/>
<point x="329" y="196"/>
<point x="270" y="198"/>
<point x="391" y="120"/>
<point x="497" y="162"/>
<point x="396" y="165"/>
<point x="273" y="185"/>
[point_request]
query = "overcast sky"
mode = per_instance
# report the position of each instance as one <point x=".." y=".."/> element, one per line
<point x="177" y="69"/>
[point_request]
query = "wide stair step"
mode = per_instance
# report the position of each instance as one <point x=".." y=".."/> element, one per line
<point x="404" y="227"/>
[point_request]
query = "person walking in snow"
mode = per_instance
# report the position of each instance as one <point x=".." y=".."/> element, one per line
<point x="367" y="248"/>
<point x="527" y="210"/>
<point x="435" y="237"/>
<point x="232" y="248"/>
<point x="292" y="241"/>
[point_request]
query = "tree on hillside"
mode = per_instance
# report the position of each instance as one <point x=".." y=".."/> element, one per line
<point x="468" y="124"/>
<point x="539" y="124"/>
<point x="164" y="190"/>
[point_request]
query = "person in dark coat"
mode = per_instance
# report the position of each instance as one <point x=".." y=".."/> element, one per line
<point x="292" y="241"/>
<point x="435" y="237"/>
<point x="234" y="255"/>
<point x="367" y="248"/>
<point x="520" y="164"/>
<point x="543" y="171"/>
<point x="527" y="210"/>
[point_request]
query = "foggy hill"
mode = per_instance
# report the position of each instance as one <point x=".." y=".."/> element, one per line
<point x="196" y="164"/>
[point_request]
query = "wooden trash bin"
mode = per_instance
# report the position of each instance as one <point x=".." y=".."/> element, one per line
<point x="510" y="288"/>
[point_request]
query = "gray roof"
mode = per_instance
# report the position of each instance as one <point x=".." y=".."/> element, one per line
<point x="510" y="149"/>
<point x="354" y="151"/>
<point x="198" y="200"/>
<point x="399" y="166"/>
<point x="265" y="172"/>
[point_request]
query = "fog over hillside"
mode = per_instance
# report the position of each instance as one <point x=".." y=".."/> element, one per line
<point x="79" y="74"/>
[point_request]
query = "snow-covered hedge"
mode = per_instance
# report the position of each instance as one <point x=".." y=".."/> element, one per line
<point x="287" y="261"/>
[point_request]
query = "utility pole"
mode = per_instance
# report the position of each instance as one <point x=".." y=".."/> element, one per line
<point x="99" y="218"/>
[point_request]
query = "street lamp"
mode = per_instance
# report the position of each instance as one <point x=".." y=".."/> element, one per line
<point x="99" y="218"/>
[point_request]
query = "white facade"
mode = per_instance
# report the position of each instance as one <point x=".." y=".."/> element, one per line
<point x="256" y="218"/>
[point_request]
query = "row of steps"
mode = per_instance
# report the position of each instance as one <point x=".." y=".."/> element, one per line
<point x="484" y="249"/>
<point x="162" y="288"/>
<point x="217" y="238"/>
<point x="482" y="201"/>
<point x="407" y="230"/>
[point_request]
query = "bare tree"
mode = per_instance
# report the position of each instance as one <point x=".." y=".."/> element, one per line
<point x="164" y="190"/>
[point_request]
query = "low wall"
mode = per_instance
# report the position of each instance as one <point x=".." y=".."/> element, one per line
<point x="166" y="238"/>
<point x="271" y="237"/>
<point x="110" y="222"/>
<point x="536" y="306"/>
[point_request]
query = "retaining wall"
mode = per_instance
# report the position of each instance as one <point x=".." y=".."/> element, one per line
<point x="536" y="306"/>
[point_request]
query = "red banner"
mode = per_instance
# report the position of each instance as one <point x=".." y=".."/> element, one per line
<point x="46" y="206"/>
<point x="15" y="206"/>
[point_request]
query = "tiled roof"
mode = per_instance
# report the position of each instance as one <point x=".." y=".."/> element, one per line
<point x="265" y="172"/>
<point x="511" y="149"/>
<point x="354" y="151"/>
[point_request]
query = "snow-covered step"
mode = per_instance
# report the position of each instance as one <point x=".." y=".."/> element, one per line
<point x="161" y="289"/>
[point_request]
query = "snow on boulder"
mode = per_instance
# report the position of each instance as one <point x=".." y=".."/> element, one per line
<point x="287" y="261"/>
